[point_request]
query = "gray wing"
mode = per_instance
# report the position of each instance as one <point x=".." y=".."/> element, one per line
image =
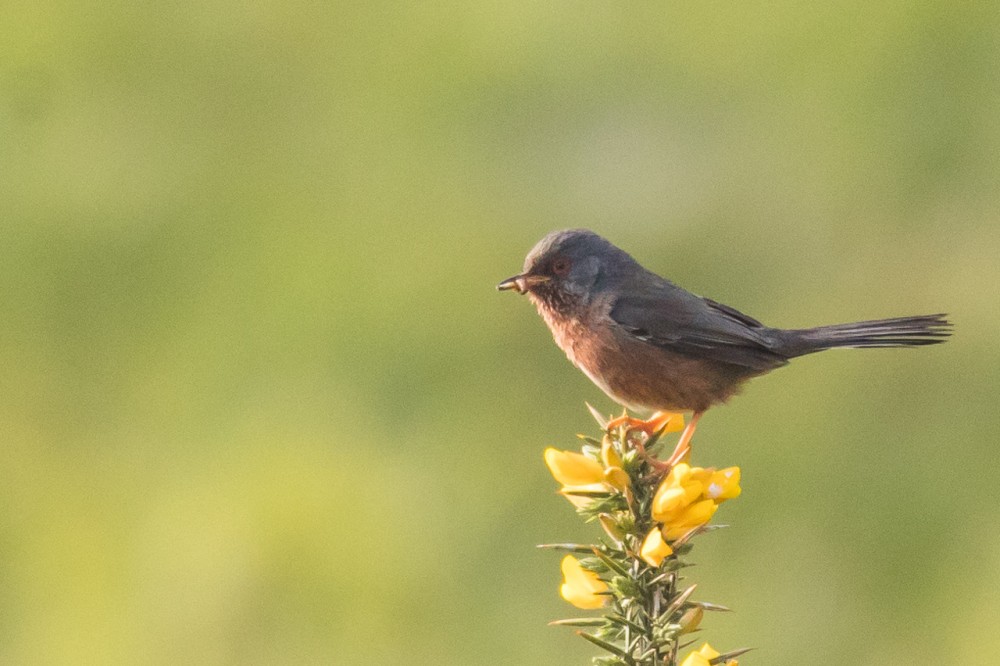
<point x="679" y="321"/>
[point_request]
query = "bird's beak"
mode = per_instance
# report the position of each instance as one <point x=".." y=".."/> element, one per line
<point x="521" y="283"/>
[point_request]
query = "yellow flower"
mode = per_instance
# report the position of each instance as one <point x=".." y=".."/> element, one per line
<point x="689" y="496"/>
<point x="609" y="456"/>
<point x="724" y="484"/>
<point x="674" y="421"/>
<point x="671" y="500"/>
<point x="581" y="587"/>
<point x="703" y="656"/>
<point x="617" y="478"/>
<point x="573" y="469"/>
<point x="693" y="516"/>
<point x="577" y="472"/>
<point x="681" y="487"/>
<point x="654" y="549"/>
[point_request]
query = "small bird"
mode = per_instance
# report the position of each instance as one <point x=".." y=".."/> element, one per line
<point x="651" y="345"/>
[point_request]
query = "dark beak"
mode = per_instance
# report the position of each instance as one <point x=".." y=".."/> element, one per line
<point x="522" y="283"/>
<point x="516" y="283"/>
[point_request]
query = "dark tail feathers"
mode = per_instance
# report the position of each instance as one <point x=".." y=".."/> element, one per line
<point x="897" y="332"/>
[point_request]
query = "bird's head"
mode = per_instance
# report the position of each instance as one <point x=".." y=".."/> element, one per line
<point x="568" y="267"/>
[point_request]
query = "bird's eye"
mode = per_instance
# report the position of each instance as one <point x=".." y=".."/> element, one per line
<point x="560" y="266"/>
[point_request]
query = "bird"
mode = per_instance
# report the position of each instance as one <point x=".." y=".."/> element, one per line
<point x="652" y="346"/>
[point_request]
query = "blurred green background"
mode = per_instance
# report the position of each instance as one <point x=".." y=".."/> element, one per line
<point x="261" y="404"/>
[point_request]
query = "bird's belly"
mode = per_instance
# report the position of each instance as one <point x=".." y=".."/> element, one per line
<point x="624" y="376"/>
<point x="639" y="374"/>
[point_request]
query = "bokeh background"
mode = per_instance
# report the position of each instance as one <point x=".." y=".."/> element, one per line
<point x="261" y="404"/>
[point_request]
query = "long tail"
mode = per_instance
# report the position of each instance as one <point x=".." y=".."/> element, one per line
<point x="897" y="332"/>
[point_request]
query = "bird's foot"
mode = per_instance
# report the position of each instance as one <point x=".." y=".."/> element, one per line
<point x="653" y="429"/>
<point x="660" y="468"/>
<point x="660" y="423"/>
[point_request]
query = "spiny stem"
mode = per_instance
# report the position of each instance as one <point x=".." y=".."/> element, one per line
<point x="636" y="574"/>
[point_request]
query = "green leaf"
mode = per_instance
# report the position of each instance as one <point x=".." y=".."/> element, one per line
<point x="610" y="504"/>
<point x="594" y="564"/>
<point x="659" y="579"/>
<point x="604" y="645"/>
<point x="732" y="654"/>
<point x="612" y="661"/>
<point x="568" y="547"/>
<point x="670" y="567"/>
<point x="579" y="622"/>
<point x="713" y="527"/>
<point x="654" y="439"/>
<point x="611" y="564"/>
<point x="678" y="601"/>
<point x="624" y="621"/>
<point x="626" y="587"/>
<point x="690" y="534"/>
<point x="586" y="493"/>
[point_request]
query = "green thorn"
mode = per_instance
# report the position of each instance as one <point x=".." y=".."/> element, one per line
<point x="614" y="566"/>
<point x="601" y="421"/>
<point x="618" y="619"/>
<point x="678" y="601"/>
<point x="654" y="439"/>
<point x="603" y="644"/>
<point x="732" y="654"/>
<point x="579" y="622"/>
<point x="569" y="547"/>
<point x="586" y="493"/>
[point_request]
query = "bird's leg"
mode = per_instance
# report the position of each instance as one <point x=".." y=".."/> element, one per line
<point x="630" y="422"/>
<point x="658" y="466"/>
<point x="684" y="443"/>
<point x="654" y="426"/>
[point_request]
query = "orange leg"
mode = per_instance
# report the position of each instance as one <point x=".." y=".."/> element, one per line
<point x="684" y="444"/>
<point x="654" y="425"/>
<point x="657" y="423"/>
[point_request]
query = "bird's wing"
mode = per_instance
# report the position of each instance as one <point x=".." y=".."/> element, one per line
<point x="679" y="321"/>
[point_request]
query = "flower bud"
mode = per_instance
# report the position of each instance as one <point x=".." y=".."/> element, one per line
<point x="691" y="619"/>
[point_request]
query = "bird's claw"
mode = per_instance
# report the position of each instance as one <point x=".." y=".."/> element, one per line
<point x="630" y="423"/>
<point x="653" y="428"/>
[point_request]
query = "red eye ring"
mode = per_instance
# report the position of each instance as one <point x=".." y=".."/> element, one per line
<point x="561" y="266"/>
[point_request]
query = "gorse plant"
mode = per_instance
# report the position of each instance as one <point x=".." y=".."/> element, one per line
<point x="634" y="572"/>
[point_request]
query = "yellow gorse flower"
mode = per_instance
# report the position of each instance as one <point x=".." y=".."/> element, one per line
<point x="689" y="496"/>
<point x="581" y="587"/>
<point x="573" y="469"/>
<point x="609" y="456"/>
<point x="654" y="549"/>
<point x="577" y="472"/>
<point x="703" y="656"/>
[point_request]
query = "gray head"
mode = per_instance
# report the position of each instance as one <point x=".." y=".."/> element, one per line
<point x="569" y="266"/>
